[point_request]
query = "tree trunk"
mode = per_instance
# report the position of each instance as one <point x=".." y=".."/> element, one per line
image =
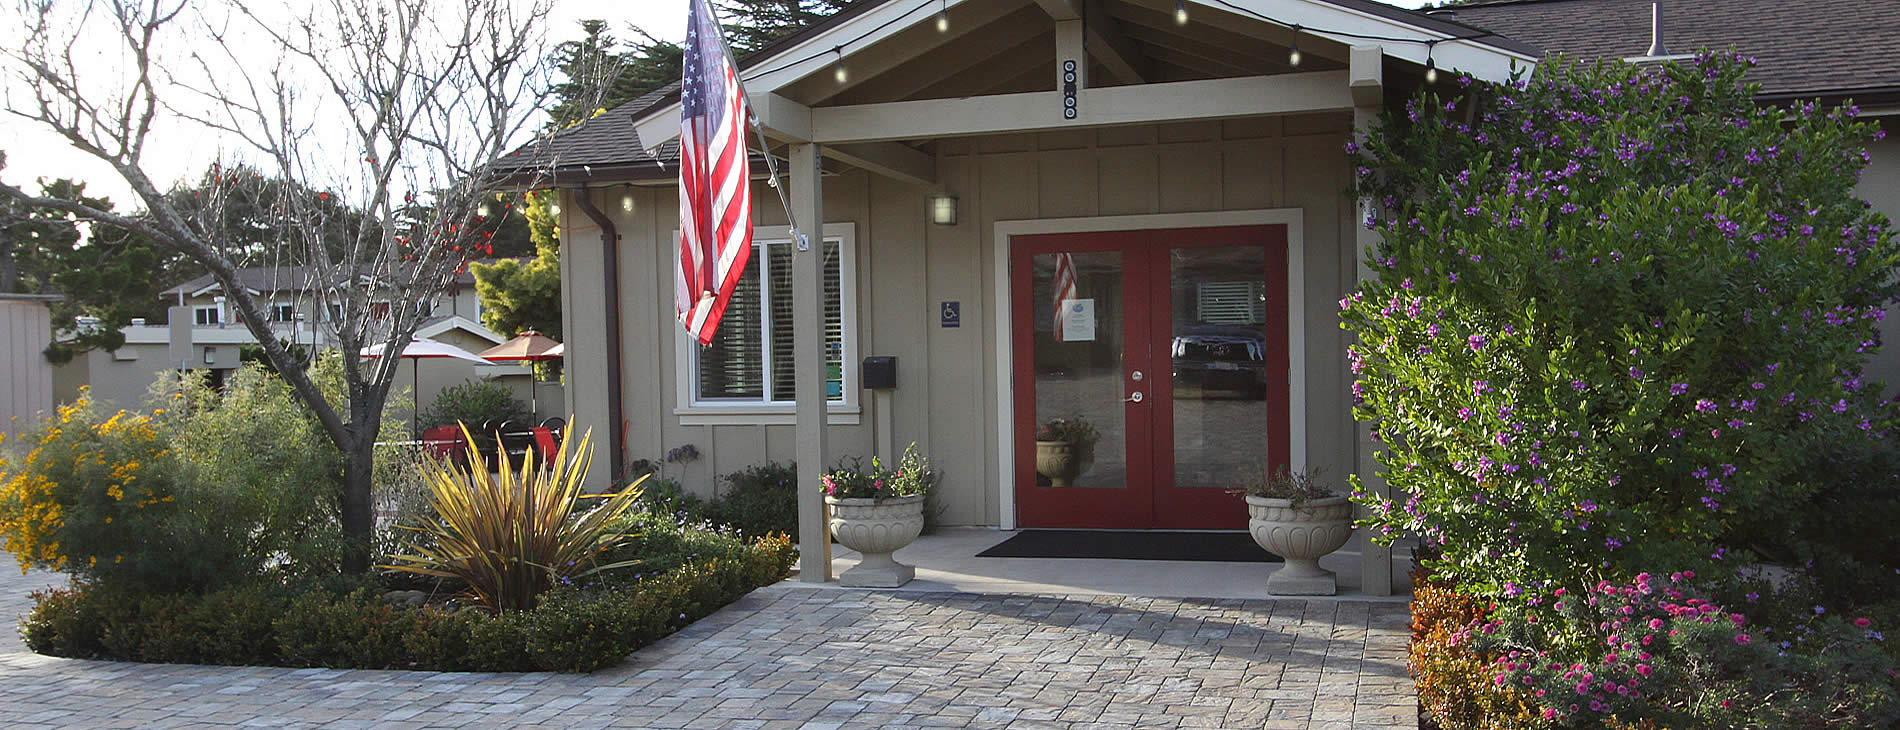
<point x="358" y="516"/>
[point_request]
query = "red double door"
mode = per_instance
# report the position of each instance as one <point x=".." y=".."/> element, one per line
<point x="1170" y="347"/>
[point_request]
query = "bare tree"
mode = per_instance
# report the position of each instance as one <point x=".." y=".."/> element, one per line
<point x="403" y="108"/>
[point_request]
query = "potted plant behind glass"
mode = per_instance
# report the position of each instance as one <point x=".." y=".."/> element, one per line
<point x="1065" y="449"/>
<point x="876" y="512"/>
<point x="1290" y="514"/>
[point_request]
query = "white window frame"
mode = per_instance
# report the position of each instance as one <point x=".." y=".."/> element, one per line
<point x="283" y="312"/>
<point x="198" y="318"/>
<point x="693" y="411"/>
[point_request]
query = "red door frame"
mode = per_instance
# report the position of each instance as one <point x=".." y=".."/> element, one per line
<point x="1066" y="506"/>
<point x="1150" y="500"/>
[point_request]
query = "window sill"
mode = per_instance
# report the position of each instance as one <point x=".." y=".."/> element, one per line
<point x="762" y="415"/>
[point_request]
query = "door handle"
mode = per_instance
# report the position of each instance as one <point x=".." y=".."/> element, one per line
<point x="1135" y="397"/>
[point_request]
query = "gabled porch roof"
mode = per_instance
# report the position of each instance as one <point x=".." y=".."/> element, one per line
<point x="877" y="83"/>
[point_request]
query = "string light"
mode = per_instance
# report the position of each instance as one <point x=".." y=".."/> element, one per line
<point x="1431" y="66"/>
<point x="943" y="17"/>
<point x="840" y="73"/>
<point x="1180" y="18"/>
<point x="1293" y="56"/>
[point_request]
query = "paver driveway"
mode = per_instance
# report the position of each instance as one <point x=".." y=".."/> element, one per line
<point x="793" y="656"/>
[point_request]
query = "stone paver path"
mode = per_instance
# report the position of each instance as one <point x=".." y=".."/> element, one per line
<point x="797" y="657"/>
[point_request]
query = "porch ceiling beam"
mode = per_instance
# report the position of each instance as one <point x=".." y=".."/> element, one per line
<point x="1038" y="111"/>
<point x="968" y="20"/>
<point x="890" y="159"/>
<point x="1060" y="10"/>
<point x="1253" y="60"/>
<point x="1200" y="65"/>
<point x="1005" y="37"/>
<point x="1116" y="52"/>
<point x="783" y="119"/>
<point x="1368" y="76"/>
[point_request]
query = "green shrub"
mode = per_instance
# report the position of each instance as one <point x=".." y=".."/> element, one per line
<point x="1612" y="319"/>
<point x="573" y="629"/>
<point x="760" y="500"/>
<point x="473" y="402"/>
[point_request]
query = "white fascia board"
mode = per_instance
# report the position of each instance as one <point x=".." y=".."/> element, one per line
<point x="1178" y="101"/>
<point x="1471" y="57"/>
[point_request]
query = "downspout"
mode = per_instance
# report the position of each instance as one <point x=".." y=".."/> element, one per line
<point x="610" y="274"/>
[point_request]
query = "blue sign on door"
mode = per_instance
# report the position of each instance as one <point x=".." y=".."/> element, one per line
<point x="952" y="313"/>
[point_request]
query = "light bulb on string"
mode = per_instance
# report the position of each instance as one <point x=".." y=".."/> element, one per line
<point x="943" y="17"/>
<point x="840" y="73"/>
<point x="1431" y="66"/>
<point x="1180" y="12"/>
<point x="1293" y="56"/>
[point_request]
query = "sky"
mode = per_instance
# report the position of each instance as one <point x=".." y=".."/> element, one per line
<point x="177" y="152"/>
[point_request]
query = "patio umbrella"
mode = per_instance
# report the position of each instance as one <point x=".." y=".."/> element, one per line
<point x="419" y="348"/>
<point x="529" y="346"/>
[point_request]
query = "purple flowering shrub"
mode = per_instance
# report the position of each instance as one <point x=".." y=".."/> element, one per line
<point x="1617" y="309"/>
<point x="1664" y="651"/>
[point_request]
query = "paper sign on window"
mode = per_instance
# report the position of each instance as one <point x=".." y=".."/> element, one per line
<point x="1078" y="320"/>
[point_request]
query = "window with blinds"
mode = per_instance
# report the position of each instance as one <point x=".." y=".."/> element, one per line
<point x="1231" y="302"/>
<point x="755" y="336"/>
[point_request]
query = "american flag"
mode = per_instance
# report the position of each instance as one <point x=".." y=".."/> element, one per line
<point x="1065" y="288"/>
<point x="715" y="194"/>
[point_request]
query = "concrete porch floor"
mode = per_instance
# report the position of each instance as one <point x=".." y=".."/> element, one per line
<point x="946" y="561"/>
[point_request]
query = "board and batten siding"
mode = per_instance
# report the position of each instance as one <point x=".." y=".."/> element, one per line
<point x="947" y="393"/>
<point x="26" y="378"/>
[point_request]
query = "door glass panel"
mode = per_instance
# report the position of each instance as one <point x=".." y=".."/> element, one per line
<point x="1219" y="353"/>
<point x="1077" y="305"/>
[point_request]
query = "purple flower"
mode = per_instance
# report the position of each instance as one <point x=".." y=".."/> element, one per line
<point x="1705" y="405"/>
<point x="1678" y="388"/>
<point x="1476" y="342"/>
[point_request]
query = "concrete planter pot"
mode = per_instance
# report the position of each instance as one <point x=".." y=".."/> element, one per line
<point x="876" y="528"/>
<point x="1302" y="535"/>
<point x="1062" y="462"/>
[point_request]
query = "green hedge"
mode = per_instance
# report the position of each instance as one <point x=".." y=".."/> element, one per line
<point x="571" y="630"/>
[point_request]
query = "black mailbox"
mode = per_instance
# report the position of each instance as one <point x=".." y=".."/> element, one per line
<point x="880" y="372"/>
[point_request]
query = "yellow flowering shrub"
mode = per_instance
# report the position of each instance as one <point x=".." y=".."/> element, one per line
<point x="84" y="482"/>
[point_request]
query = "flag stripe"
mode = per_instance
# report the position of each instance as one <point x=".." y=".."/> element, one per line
<point x="715" y="175"/>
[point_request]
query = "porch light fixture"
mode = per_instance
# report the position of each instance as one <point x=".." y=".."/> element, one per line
<point x="943" y="209"/>
<point x="1293" y="56"/>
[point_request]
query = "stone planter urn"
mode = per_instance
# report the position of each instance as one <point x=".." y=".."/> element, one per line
<point x="876" y="528"/>
<point x="1062" y="462"/>
<point x="1301" y="535"/>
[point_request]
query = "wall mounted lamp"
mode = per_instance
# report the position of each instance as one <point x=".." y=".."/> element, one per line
<point x="943" y="209"/>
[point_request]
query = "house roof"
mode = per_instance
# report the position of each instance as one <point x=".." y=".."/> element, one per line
<point x="1833" y="49"/>
<point x="606" y="148"/>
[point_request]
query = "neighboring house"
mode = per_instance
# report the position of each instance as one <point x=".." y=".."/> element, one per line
<point x="1838" y="51"/>
<point x="26" y="379"/>
<point x="120" y="378"/>
<point x="1194" y="204"/>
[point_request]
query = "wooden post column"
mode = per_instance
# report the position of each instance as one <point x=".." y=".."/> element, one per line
<point x="808" y="360"/>
<point x="1368" y="94"/>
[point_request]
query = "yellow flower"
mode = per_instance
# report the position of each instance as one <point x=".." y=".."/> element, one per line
<point x="115" y="492"/>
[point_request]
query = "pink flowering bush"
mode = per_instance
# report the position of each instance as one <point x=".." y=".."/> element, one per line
<point x="1660" y="649"/>
<point x="1617" y="310"/>
<point x="911" y="477"/>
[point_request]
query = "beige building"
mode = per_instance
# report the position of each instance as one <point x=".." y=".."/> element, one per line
<point x="26" y="379"/>
<point x="120" y="379"/>
<point x="1106" y="210"/>
<point x="1042" y="210"/>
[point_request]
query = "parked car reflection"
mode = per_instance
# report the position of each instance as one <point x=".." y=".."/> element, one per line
<point x="1220" y="361"/>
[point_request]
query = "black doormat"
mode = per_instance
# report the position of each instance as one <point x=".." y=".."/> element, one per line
<point x="1235" y="547"/>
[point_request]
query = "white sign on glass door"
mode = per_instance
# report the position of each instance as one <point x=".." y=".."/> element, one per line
<point x="1078" y="320"/>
